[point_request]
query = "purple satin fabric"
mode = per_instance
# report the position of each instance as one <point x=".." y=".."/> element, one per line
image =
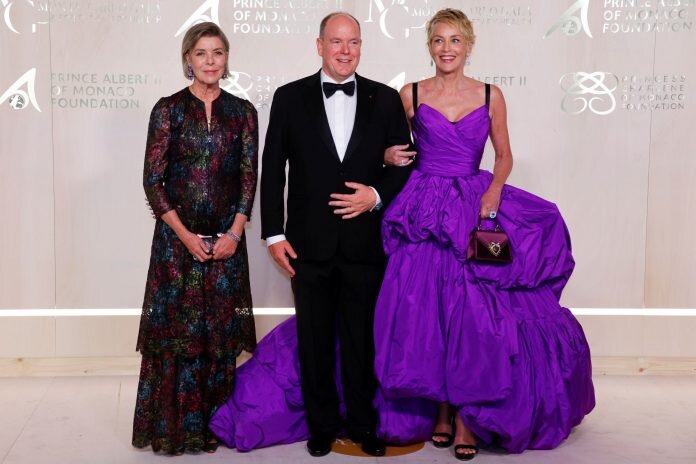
<point x="490" y="339"/>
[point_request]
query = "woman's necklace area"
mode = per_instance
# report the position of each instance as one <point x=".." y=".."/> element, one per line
<point x="208" y="117"/>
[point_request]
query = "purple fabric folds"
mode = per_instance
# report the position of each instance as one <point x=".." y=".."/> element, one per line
<point x="266" y="406"/>
<point x="490" y="339"/>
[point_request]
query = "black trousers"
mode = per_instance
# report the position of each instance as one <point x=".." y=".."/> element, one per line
<point x="335" y="299"/>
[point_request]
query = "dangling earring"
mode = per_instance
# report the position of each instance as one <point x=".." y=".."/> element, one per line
<point x="190" y="72"/>
<point x="224" y="75"/>
<point x="431" y="62"/>
<point x="468" y="60"/>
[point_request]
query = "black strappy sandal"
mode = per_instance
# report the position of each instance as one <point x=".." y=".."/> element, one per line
<point x="465" y="456"/>
<point x="448" y="437"/>
<point x="444" y="443"/>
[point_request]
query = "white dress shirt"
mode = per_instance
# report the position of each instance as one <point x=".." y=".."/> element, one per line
<point x="340" y="113"/>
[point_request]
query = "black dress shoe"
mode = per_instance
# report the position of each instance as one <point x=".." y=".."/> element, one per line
<point x="370" y="443"/>
<point x="319" y="445"/>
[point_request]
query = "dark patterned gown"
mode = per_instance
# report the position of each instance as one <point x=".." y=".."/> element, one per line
<point x="197" y="317"/>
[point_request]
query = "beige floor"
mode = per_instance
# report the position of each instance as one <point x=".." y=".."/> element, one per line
<point x="638" y="419"/>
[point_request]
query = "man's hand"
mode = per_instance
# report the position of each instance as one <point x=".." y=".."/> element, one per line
<point x="280" y="252"/>
<point x="351" y="205"/>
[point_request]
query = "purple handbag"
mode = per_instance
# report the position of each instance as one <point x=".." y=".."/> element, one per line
<point x="491" y="246"/>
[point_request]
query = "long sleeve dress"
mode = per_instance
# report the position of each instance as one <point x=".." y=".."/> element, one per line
<point x="197" y="316"/>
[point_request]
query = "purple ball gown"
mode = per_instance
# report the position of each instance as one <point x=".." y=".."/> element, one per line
<point x="490" y="339"/>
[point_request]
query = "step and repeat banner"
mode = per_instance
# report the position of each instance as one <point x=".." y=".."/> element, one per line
<point x="601" y="106"/>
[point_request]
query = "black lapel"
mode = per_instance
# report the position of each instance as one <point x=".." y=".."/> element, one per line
<point x="363" y="113"/>
<point x="317" y="113"/>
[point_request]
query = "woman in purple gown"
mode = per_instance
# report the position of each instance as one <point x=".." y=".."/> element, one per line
<point x="507" y="365"/>
<point x="486" y="347"/>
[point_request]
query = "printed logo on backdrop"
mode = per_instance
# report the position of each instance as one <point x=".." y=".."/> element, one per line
<point x="238" y="84"/>
<point x="628" y="16"/>
<point x="400" y="19"/>
<point x="15" y="9"/>
<point x="264" y="17"/>
<point x="201" y="16"/>
<point x="398" y="81"/>
<point x="38" y="11"/>
<point x="485" y="14"/>
<point x="666" y="92"/>
<point x="589" y="91"/>
<point x="19" y="98"/>
<point x="637" y="16"/>
<point x="599" y="92"/>
<point x="573" y="20"/>
<point x="99" y="91"/>
<point x="258" y="89"/>
<point x="114" y="11"/>
<point x="509" y="80"/>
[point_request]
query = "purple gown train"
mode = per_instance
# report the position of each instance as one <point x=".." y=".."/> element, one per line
<point x="492" y="340"/>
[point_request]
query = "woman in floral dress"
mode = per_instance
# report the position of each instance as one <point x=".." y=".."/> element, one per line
<point x="200" y="179"/>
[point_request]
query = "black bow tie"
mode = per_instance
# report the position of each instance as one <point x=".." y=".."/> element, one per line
<point x="330" y="88"/>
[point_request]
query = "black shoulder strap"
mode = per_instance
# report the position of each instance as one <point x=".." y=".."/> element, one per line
<point x="488" y="94"/>
<point x="414" y="89"/>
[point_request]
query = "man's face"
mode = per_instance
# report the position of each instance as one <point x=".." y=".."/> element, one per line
<point x="340" y="48"/>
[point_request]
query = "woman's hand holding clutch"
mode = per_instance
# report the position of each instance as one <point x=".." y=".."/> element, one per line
<point x="224" y="248"/>
<point x="490" y="201"/>
<point x="199" y="249"/>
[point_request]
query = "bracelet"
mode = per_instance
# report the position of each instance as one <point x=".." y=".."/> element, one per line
<point x="233" y="236"/>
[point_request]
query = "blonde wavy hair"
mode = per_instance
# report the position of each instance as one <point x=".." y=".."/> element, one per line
<point x="455" y="18"/>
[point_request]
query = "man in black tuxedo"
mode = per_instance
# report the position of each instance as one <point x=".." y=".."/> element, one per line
<point x="332" y="129"/>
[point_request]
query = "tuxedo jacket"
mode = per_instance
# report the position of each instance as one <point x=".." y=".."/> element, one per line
<point x="298" y="135"/>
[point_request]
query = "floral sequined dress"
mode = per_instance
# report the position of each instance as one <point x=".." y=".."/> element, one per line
<point x="197" y="316"/>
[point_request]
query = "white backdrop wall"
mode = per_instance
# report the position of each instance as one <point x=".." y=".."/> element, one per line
<point x="601" y="111"/>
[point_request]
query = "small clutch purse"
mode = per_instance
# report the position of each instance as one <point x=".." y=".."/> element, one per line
<point x="491" y="246"/>
<point x="209" y="241"/>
